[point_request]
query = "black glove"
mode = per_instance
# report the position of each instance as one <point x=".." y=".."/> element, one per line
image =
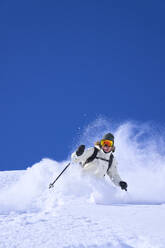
<point x="123" y="185"/>
<point x="80" y="150"/>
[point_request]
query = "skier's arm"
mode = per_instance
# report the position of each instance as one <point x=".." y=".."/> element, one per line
<point x="76" y="158"/>
<point x="113" y="173"/>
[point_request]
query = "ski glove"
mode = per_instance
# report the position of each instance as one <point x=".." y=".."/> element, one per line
<point x="80" y="150"/>
<point x="123" y="185"/>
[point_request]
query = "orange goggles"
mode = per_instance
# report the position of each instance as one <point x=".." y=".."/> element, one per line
<point x="107" y="143"/>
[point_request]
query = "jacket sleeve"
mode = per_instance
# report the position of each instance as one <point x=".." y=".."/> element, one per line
<point x="113" y="173"/>
<point x="82" y="159"/>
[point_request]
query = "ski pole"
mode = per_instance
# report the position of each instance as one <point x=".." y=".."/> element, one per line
<point x="51" y="185"/>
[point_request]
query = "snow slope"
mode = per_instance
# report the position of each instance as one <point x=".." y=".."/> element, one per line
<point x="83" y="212"/>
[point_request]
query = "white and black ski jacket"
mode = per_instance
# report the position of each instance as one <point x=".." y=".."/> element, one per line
<point x="99" y="166"/>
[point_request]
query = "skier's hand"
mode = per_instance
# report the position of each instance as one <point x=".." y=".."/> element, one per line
<point x="80" y="150"/>
<point x="123" y="185"/>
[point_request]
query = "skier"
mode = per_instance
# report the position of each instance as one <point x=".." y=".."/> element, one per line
<point x="99" y="160"/>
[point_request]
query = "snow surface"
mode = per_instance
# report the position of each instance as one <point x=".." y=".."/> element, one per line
<point x="82" y="211"/>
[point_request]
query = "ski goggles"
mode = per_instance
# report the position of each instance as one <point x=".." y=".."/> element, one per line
<point x="106" y="143"/>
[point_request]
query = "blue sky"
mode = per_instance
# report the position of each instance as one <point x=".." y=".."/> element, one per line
<point x="63" y="63"/>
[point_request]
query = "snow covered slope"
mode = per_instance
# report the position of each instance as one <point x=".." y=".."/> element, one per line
<point x="84" y="212"/>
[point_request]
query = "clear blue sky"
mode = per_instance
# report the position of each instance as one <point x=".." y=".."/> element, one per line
<point x="65" y="62"/>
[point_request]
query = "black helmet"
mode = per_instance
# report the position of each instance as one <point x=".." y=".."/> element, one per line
<point x="108" y="136"/>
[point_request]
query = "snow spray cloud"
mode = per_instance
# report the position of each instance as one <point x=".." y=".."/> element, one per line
<point x="30" y="191"/>
<point x="140" y="151"/>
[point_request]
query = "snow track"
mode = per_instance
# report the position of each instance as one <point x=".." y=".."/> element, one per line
<point x="77" y="225"/>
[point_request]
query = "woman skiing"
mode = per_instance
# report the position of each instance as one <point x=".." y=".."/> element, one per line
<point x="99" y="160"/>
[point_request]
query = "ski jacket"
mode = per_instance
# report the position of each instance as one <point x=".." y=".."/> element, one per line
<point x="98" y="167"/>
